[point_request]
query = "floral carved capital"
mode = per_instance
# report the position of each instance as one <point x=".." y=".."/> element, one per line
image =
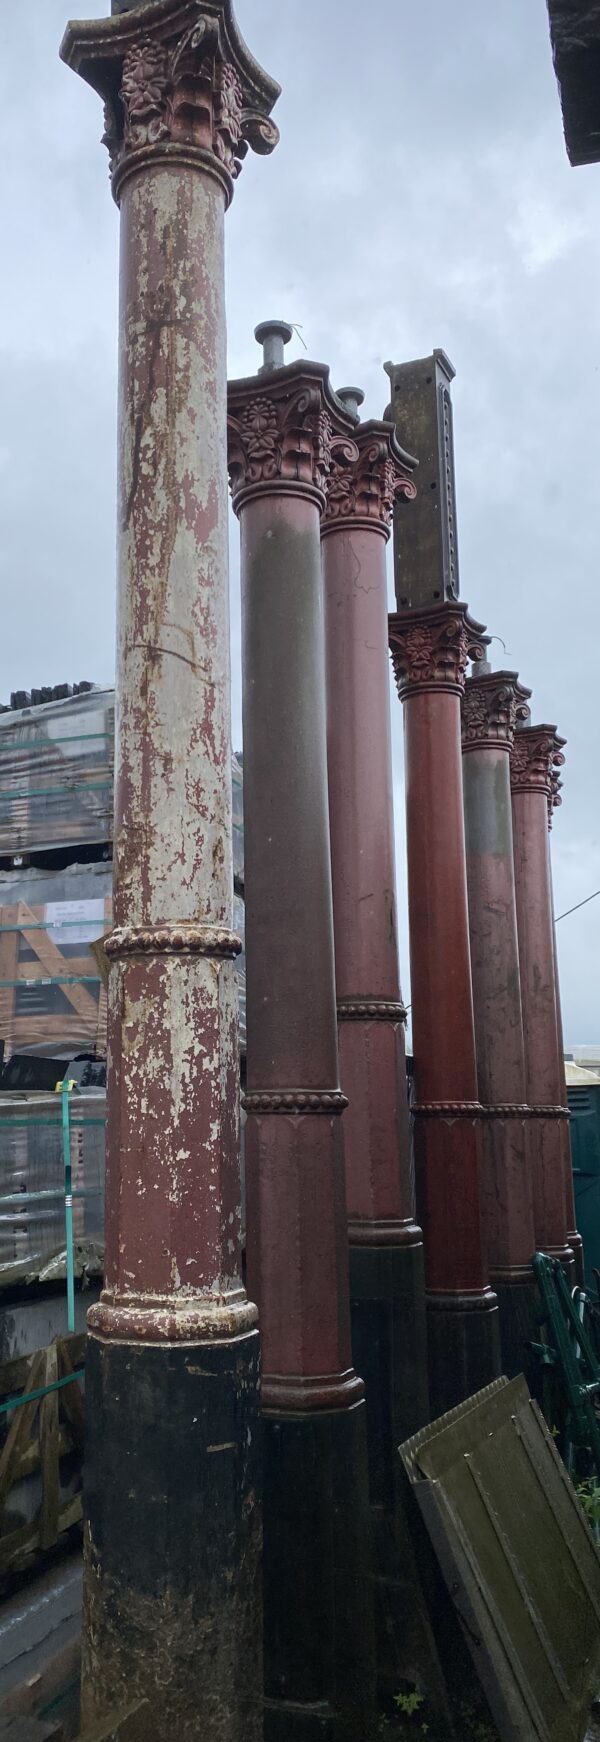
<point x="177" y="76"/>
<point x="365" y="488"/>
<point x="431" y="649"/>
<point x="555" y="781"/>
<point x="492" y="707"/>
<point x="536" y="757"/>
<point x="284" y="432"/>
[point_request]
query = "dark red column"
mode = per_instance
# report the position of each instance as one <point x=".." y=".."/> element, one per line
<point x="172" y="1608"/>
<point x="492" y="704"/>
<point x="574" y="1238"/>
<point x="387" y="1284"/>
<point x="318" y="1592"/>
<point x="536" y="751"/>
<point x="430" y="649"/>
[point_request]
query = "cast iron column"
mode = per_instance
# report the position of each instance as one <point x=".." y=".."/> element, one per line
<point x="173" y="1529"/>
<point x="319" y="1660"/>
<point x="492" y="704"/>
<point x="387" y="1285"/>
<point x="430" y="649"/>
<point x="573" y="1237"/>
<point x="536" y="751"/>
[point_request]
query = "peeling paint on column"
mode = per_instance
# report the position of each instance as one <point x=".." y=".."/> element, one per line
<point x="172" y="1609"/>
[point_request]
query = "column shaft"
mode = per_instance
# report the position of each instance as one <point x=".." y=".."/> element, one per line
<point x="319" y="1665"/>
<point x="531" y="764"/>
<point x="491" y="706"/>
<point x="172" y="1598"/>
<point x="573" y="1236"/>
<point x="387" y="1285"/>
<point x="430" y="650"/>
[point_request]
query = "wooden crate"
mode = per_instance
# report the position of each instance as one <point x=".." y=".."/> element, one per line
<point x="52" y="999"/>
<point x="38" y="1437"/>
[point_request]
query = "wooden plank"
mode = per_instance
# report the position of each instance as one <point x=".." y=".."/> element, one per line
<point x="55" y="964"/>
<point x="49" y="1455"/>
<point x="18" y="1546"/>
<point x="14" y="1374"/>
<point x="71" y="1399"/>
<point x="9" y="955"/>
<point x="21" y="1425"/>
<point x="30" y="1460"/>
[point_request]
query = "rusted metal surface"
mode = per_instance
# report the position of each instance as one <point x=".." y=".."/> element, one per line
<point x="573" y="1236"/>
<point x="284" y="425"/>
<point x="518" y="1558"/>
<point x="536" y="752"/>
<point x="575" y="34"/>
<point x="172" y="1589"/>
<point x="430" y="650"/>
<point x="360" y="496"/>
<point x="387" y="1280"/>
<point x="492" y="704"/>
<point x="425" y="541"/>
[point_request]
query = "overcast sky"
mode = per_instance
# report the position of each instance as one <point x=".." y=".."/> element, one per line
<point x="420" y="196"/>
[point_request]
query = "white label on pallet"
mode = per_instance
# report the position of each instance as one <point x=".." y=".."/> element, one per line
<point x="75" y="922"/>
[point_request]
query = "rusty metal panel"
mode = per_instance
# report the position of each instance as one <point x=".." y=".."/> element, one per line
<point x="425" y="539"/>
<point x="518" y="1558"/>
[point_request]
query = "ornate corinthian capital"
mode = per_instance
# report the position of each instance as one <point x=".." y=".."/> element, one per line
<point x="285" y="429"/>
<point x="492" y="706"/>
<point x="363" y="491"/>
<point x="536" y="757"/>
<point x="430" y="649"/>
<point x="177" y="80"/>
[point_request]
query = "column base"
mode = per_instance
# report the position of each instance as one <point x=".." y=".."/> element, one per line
<point x="463" y="1333"/>
<point x="389" y="1350"/>
<point x="318" y="1585"/>
<point x="172" y="1599"/>
<point x="518" y="1307"/>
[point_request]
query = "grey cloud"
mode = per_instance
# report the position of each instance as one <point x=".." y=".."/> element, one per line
<point x="421" y="195"/>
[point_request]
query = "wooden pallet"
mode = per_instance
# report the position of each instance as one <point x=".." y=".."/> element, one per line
<point x="40" y="1435"/>
<point x="30" y="957"/>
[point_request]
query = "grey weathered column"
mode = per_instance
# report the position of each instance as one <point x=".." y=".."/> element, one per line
<point x="492" y="704"/>
<point x="318" y="1586"/>
<point x="573" y="1236"/>
<point x="173" y="1530"/>
<point x="536" y="752"/>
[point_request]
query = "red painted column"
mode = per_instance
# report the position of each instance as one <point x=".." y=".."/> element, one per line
<point x="387" y="1285"/>
<point x="573" y="1237"/>
<point x="535" y="752"/>
<point x="492" y="704"/>
<point x="430" y="649"/>
<point x="172" y="1608"/>
<point x="318" y="1594"/>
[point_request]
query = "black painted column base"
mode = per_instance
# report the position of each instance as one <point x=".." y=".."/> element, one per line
<point x="389" y="1350"/>
<point x="318" y="1582"/>
<point x="172" y="1585"/>
<point x="463" y="1335"/>
<point x="518" y="1306"/>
